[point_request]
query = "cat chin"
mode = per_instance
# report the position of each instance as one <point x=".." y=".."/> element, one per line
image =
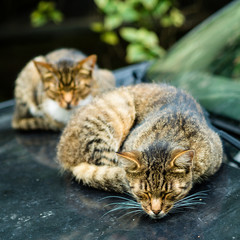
<point x="159" y="216"/>
<point x="58" y="113"/>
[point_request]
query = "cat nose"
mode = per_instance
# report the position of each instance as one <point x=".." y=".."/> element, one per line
<point x="68" y="105"/>
<point x="156" y="212"/>
<point x="156" y="205"/>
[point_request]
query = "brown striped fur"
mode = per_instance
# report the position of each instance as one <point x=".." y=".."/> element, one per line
<point x="50" y="87"/>
<point x="149" y="140"/>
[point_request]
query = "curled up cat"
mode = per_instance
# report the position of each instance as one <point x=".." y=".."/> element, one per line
<point x="151" y="141"/>
<point x="51" y="87"/>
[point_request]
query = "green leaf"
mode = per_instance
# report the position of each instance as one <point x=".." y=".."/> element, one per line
<point x="112" y="21"/>
<point x="56" y="16"/>
<point x="128" y="12"/>
<point x="137" y="53"/>
<point x="149" y="4"/>
<point x="166" y="21"/>
<point x="129" y="34"/>
<point x="147" y="38"/>
<point x="45" y="6"/>
<point x="162" y="8"/>
<point x="111" y="8"/>
<point x="157" y="51"/>
<point x="176" y="17"/>
<point x="97" y="27"/>
<point x="37" y="19"/>
<point x="101" y="3"/>
<point x="44" y="13"/>
<point x="142" y="35"/>
<point x="110" y="38"/>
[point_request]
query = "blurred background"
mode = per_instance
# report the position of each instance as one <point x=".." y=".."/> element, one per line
<point x="119" y="32"/>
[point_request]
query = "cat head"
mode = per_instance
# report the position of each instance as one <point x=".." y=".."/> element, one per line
<point x="158" y="183"/>
<point x="67" y="82"/>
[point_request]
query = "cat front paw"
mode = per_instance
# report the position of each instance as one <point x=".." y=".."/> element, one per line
<point x="36" y="112"/>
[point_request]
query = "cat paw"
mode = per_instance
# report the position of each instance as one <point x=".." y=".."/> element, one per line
<point x="36" y="112"/>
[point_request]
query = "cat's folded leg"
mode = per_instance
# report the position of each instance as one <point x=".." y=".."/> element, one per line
<point x="35" y="123"/>
<point x="35" y="111"/>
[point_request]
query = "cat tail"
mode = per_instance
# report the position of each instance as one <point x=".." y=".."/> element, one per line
<point x="109" y="178"/>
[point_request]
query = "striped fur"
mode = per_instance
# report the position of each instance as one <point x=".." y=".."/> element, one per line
<point x="51" y="87"/>
<point x="149" y="140"/>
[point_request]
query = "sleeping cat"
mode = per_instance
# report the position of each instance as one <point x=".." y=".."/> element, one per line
<point x="50" y="87"/>
<point x="149" y="140"/>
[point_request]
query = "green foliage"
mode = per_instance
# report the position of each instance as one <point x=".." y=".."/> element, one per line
<point x="137" y="22"/>
<point x="110" y="37"/>
<point x="206" y="63"/>
<point x="236" y="70"/>
<point x="45" y="12"/>
<point x="227" y="62"/>
<point x="143" y="45"/>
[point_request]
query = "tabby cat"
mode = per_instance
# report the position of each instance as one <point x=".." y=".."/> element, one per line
<point x="149" y="140"/>
<point x="50" y="87"/>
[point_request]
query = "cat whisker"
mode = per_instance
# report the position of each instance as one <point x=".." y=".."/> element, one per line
<point x="190" y="201"/>
<point x="124" y="203"/>
<point x="121" y="208"/>
<point x="127" y="204"/>
<point x="139" y="212"/>
<point x="112" y="210"/>
<point x="119" y="197"/>
<point x="204" y="192"/>
<point x="195" y="196"/>
<point x="195" y="201"/>
<point x="135" y="211"/>
<point x="190" y="206"/>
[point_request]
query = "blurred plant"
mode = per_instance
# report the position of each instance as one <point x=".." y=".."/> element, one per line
<point x="138" y="22"/>
<point x="227" y="62"/>
<point x="45" y="12"/>
<point x="236" y="71"/>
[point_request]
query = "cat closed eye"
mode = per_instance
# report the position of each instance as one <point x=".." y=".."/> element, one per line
<point x="87" y="85"/>
<point x="48" y="77"/>
<point x="170" y="197"/>
<point x="85" y="75"/>
<point x="143" y="197"/>
<point x="54" y="91"/>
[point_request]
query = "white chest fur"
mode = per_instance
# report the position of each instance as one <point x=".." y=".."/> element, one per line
<point x="59" y="114"/>
<point x="55" y="111"/>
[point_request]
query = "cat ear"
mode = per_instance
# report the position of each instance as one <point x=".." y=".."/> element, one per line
<point x="182" y="161"/>
<point x="129" y="160"/>
<point x="43" y="68"/>
<point x="88" y="63"/>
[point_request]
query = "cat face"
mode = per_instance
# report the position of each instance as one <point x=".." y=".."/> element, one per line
<point x="67" y="83"/>
<point x="158" y="185"/>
